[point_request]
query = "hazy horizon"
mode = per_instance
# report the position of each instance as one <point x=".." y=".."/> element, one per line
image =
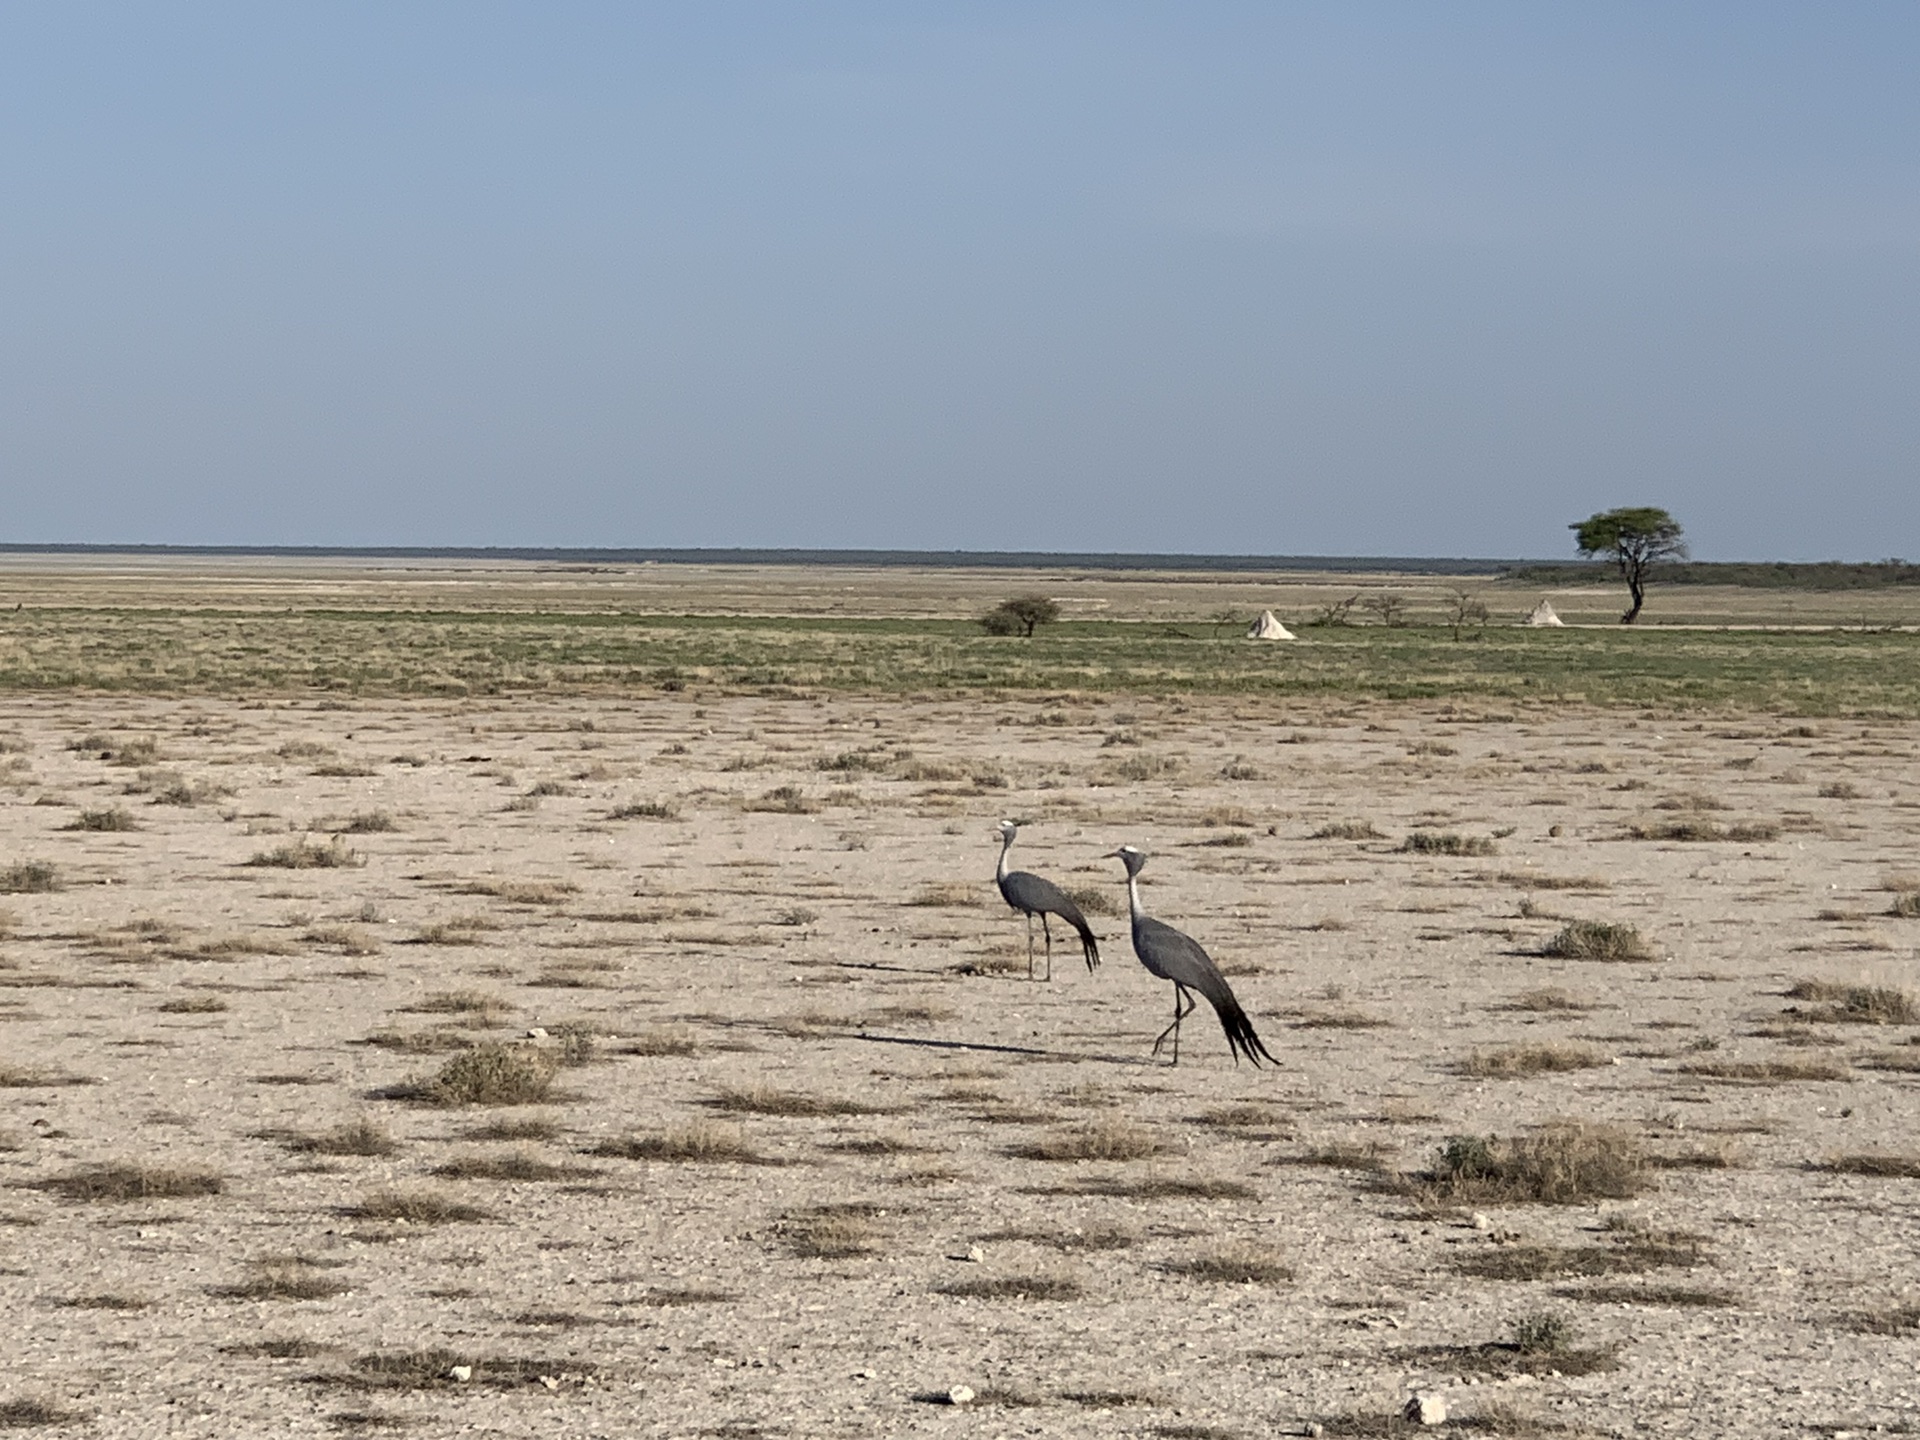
<point x="1268" y="279"/>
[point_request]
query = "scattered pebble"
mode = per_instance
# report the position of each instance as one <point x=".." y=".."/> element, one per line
<point x="461" y="1373"/>
<point x="960" y="1395"/>
<point x="1426" y="1410"/>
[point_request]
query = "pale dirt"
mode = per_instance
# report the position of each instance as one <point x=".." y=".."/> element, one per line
<point x="813" y="973"/>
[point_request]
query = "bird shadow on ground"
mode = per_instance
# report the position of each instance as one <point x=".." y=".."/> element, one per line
<point x="920" y="1042"/>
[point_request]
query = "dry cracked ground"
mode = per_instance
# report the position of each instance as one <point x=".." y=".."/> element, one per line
<point x="671" y="1067"/>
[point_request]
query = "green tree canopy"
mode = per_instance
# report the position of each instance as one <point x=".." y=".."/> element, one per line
<point x="1020" y="615"/>
<point x="1635" y="538"/>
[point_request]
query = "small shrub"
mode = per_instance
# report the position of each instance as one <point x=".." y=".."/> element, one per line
<point x="1765" y="1072"/>
<point x="304" y="854"/>
<point x="644" y="810"/>
<point x="368" y="822"/>
<point x="28" y="877"/>
<point x="286" y="1278"/>
<point x="783" y="800"/>
<point x="830" y="1232"/>
<point x="1597" y="940"/>
<point x="1686" y="830"/>
<point x="1014" y="1287"/>
<point x="112" y="819"/>
<point x="194" y="1005"/>
<point x="1886" y="1167"/>
<point x="765" y="1100"/>
<point x="1434" y="842"/>
<point x="1542" y="1333"/>
<point x="355" y="1137"/>
<point x="489" y="1075"/>
<point x="1348" y="830"/>
<point x="415" y="1207"/>
<point x="1239" y="1265"/>
<point x="512" y="1165"/>
<point x="1855" y="1004"/>
<point x="1565" y="1163"/>
<point x="1513" y="1061"/>
<point x="693" y="1144"/>
<point x="1110" y="1140"/>
<point x="121" y="1182"/>
<point x="1906" y="905"/>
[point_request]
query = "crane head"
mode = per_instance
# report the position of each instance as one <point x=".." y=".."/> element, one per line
<point x="1134" y="859"/>
<point x="1007" y="829"/>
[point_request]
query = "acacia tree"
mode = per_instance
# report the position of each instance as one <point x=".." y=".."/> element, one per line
<point x="1020" y="615"/>
<point x="1635" y="538"/>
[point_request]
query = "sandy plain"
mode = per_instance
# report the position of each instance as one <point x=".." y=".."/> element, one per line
<point x="817" y="1150"/>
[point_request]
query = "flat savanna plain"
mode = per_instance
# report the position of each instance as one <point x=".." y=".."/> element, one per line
<point x="624" y="1060"/>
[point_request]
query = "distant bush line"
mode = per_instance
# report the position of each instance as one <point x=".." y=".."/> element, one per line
<point x="1755" y="575"/>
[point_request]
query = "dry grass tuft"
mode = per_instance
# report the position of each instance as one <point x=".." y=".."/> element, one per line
<point x="1099" y="1238"/>
<point x="1158" y="1187"/>
<point x="1564" y="1163"/>
<point x="1235" y="1265"/>
<point x="644" y="810"/>
<point x="1014" y="1287"/>
<point x="414" y="1207"/>
<point x="305" y="854"/>
<point x="1686" y="830"/>
<point x="24" y="1414"/>
<point x="1107" y="1140"/>
<point x="286" y="1277"/>
<point x="1548" y="1002"/>
<point x="1436" y="842"/>
<point x="511" y="1165"/>
<point x="486" y="1075"/>
<point x="460" y="1002"/>
<point x="1854" y="1004"/>
<point x="1511" y="1062"/>
<point x="1886" y="1167"/>
<point x="29" y="877"/>
<point x="521" y="892"/>
<point x="194" y="1005"/>
<point x="783" y="800"/>
<point x="1598" y="940"/>
<point x="111" y="819"/>
<point x="662" y="1040"/>
<point x="113" y="1183"/>
<point x="1530" y="880"/>
<point x="1765" y="1072"/>
<point x="22" y="1077"/>
<point x="355" y="1137"/>
<point x="831" y="1232"/>
<point x="948" y="896"/>
<point x="765" y="1100"/>
<point x="692" y="1144"/>
<point x="1348" y="830"/>
<point x="1626" y="1251"/>
<point x="434" y="1370"/>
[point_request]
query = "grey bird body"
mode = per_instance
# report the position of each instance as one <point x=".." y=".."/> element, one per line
<point x="1177" y="957"/>
<point x="1031" y="896"/>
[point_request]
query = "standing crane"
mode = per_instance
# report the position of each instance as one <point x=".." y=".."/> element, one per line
<point x="1032" y="896"/>
<point x="1169" y="954"/>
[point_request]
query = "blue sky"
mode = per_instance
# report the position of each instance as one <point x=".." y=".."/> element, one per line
<point x="1344" y="279"/>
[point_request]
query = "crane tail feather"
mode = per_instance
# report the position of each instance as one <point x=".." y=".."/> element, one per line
<point x="1241" y="1038"/>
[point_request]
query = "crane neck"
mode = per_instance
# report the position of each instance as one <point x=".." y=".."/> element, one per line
<point x="1006" y="844"/>
<point x="1134" y="908"/>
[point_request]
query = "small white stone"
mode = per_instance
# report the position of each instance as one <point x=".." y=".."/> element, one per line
<point x="976" y="1254"/>
<point x="462" y="1373"/>
<point x="1426" y="1410"/>
<point x="1482" y="1220"/>
<point x="536" y="1033"/>
<point x="960" y="1395"/>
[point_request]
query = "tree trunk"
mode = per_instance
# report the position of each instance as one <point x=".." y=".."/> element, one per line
<point x="1639" y="594"/>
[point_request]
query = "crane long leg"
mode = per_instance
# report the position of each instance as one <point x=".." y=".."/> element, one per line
<point x="1029" y="945"/>
<point x="1047" y="930"/>
<point x="1179" y="994"/>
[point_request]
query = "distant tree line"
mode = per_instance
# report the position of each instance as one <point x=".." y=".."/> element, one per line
<point x="1758" y="574"/>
